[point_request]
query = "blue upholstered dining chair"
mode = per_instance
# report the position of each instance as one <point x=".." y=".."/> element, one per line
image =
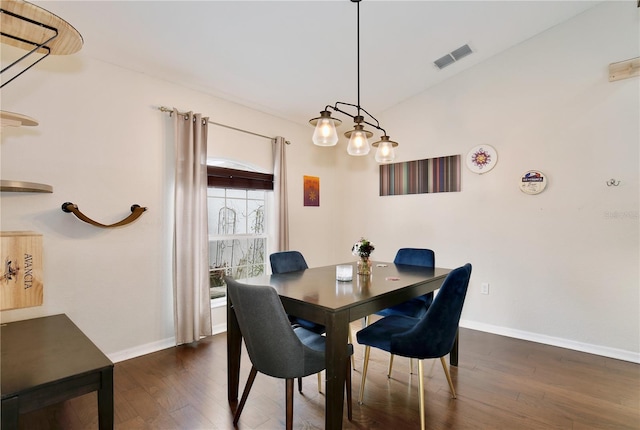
<point x="417" y="306"/>
<point x="431" y="336"/>
<point x="293" y="261"/>
<point x="275" y="347"/>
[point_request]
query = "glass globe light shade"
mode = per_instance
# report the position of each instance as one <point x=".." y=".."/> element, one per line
<point x="385" y="152"/>
<point x="358" y="141"/>
<point x="325" y="133"/>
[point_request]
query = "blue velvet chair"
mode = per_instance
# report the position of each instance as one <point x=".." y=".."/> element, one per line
<point x="417" y="306"/>
<point x="275" y="348"/>
<point x="431" y="336"/>
<point x="293" y="261"/>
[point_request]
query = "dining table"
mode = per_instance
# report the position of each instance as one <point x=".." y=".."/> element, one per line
<point x="316" y="295"/>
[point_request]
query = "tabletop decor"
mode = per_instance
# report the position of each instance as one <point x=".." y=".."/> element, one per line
<point x="363" y="249"/>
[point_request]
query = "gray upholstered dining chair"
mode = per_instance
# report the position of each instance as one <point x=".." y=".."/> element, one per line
<point x="293" y="261"/>
<point x="431" y="336"/>
<point x="276" y="348"/>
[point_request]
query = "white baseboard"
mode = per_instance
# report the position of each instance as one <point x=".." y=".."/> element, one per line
<point x="219" y="328"/>
<point x="142" y="350"/>
<point x="604" y="351"/>
<point x="155" y="346"/>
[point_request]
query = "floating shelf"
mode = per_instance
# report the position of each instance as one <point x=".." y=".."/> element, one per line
<point x="37" y="31"/>
<point x="16" y="119"/>
<point x="24" y="187"/>
<point x="25" y="25"/>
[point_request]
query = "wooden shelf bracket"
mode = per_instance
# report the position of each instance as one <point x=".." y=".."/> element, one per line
<point x="136" y="211"/>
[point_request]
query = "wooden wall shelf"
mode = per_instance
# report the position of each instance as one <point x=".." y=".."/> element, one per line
<point x="16" y="119"/>
<point x="24" y="187"/>
<point x="25" y="25"/>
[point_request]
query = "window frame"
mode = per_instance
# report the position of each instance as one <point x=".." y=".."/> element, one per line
<point x="227" y="178"/>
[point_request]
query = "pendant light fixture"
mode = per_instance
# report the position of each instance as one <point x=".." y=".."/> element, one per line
<point x="325" y="133"/>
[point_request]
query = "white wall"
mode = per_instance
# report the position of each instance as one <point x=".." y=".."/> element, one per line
<point x="103" y="144"/>
<point x="562" y="269"/>
<point x="563" y="266"/>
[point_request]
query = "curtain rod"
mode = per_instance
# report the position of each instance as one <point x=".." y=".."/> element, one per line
<point x="166" y="109"/>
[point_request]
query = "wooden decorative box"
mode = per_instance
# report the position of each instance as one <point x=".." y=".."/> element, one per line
<point x="21" y="283"/>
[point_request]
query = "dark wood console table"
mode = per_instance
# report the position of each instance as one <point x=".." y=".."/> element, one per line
<point x="48" y="360"/>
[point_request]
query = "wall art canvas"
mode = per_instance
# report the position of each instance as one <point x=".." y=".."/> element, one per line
<point x="432" y="175"/>
<point x="311" y="191"/>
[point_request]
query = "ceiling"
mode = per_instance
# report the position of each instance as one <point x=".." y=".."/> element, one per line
<point x="292" y="58"/>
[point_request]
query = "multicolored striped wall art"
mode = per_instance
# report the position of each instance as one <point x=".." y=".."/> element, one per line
<point x="433" y="175"/>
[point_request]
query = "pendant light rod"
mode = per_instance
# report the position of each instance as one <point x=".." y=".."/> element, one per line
<point x="358" y="49"/>
<point x="325" y="133"/>
<point x="360" y="108"/>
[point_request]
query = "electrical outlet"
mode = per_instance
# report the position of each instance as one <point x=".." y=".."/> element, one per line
<point x="484" y="288"/>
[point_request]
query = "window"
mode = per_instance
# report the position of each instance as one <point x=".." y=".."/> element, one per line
<point x="237" y="225"/>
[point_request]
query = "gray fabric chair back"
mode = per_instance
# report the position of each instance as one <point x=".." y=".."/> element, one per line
<point x="273" y="347"/>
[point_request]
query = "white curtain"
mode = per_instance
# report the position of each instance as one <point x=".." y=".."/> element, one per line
<point x="280" y="194"/>
<point x="192" y="308"/>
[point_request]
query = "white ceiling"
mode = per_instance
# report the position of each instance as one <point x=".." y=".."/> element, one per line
<point x="291" y="58"/>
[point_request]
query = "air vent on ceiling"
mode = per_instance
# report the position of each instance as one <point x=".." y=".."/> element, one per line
<point x="453" y="56"/>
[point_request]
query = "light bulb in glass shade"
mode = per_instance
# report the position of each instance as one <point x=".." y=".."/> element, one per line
<point x="358" y="142"/>
<point x="385" y="152"/>
<point x="325" y="133"/>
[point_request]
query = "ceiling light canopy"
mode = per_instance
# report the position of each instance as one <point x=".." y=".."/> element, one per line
<point x="325" y="133"/>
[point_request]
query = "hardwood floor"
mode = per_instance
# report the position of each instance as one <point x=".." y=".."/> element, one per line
<point x="501" y="383"/>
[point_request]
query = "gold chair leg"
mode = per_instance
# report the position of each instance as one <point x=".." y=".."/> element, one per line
<point x="421" y="388"/>
<point x="353" y="359"/>
<point x="448" y="375"/>
<point x="349" y="394"/>
<point x="319" y="382"/>
<point x="390" y="366"/>
<point x="365" y="365"/>
<point x="411" y="366"/>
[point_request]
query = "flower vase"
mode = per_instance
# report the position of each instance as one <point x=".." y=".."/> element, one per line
<point x="364" y="266"/>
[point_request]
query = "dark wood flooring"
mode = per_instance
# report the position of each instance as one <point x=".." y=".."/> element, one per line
<point x="502" y="383"/>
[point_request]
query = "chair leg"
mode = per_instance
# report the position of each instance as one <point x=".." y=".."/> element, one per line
<point x="390" y="366"/>
<point x="365" y="365"/>
<point x="349" y="395"/>
<point x="353" y="360"/>
<point x="300" y="385"/>
<point x="448" y="375"/>
<point x="245" y="394"/>
<point x="421" y="388"/>
<point x="411" y="366"/>
<point x="319" y="382"/>
<point x="289" y="402"/>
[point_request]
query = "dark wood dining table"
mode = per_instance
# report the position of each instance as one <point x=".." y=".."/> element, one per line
<point x="315" y="295"/>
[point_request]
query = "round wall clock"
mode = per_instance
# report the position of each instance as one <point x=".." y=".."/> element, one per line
<point x="533" y="182"/>
<point x="482" y="158"/>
